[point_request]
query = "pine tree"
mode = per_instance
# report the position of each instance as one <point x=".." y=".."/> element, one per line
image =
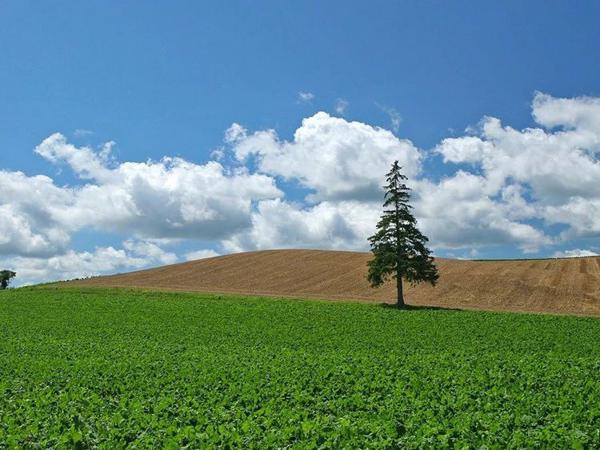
<point x="399" y="248"/>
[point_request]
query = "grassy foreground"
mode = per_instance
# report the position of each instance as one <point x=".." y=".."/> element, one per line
<point x="114" y="368"/>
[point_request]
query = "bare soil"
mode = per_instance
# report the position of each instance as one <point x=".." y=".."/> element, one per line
<point x="563" y="286"/>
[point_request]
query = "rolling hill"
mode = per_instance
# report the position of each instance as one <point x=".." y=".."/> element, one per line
<point x="565" y="286"/>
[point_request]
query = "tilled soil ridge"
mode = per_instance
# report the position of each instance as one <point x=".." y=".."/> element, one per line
<point x="564" y="286"/>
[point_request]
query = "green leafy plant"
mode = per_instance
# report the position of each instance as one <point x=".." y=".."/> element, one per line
<point x="117" y="368"/>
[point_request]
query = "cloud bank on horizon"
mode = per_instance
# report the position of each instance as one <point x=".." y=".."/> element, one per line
<point x="535" y="189"/>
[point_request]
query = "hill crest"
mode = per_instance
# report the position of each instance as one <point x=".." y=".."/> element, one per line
<point x="567" y="286"/>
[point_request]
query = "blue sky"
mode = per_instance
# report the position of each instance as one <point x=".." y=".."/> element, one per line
<point x="170" y="78"/>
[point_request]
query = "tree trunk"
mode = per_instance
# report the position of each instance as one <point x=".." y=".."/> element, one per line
<point x="400" y="301"/>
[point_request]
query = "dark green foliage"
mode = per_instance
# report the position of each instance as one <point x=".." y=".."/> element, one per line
<point x="399" y="248"/>
<point x="5" y="277"/>
<point x="102" y="368"/>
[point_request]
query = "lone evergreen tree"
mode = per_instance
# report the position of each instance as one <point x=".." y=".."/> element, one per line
<point x="399" y="248"/>
<point x="5" y="276"/>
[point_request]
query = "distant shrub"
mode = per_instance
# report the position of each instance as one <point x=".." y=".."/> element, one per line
<point x="5" y="277"/>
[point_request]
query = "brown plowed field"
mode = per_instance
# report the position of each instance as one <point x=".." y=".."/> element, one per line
<point x="567" y="286"/>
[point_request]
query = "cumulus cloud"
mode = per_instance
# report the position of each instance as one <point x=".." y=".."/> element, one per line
<point x="133" y="254"/>
<point x="557" y="164"/>
<point x="84" y="161"/>
<point x="28" y="221"/>
<point x="337" y="159"/>
<point x="581" y="214"/>
<point x="153" y="200"/>
<point x="150" y="251"/>
<point x="504" y="186"/>
<point x="332" y="225"/>
<point x="508" y="180"/>
<point x="171" y="198"/>
<point x="577" y="113"/>
<point x="72" y="264"/>
<point x="459" y="212"/>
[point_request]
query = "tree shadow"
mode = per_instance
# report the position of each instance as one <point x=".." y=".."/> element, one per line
<point x="419" y="307"/>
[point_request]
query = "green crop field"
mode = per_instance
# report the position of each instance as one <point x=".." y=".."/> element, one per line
<point x="86" y="368"/>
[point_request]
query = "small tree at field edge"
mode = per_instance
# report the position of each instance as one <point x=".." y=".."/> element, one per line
<point x="5" y="277"/>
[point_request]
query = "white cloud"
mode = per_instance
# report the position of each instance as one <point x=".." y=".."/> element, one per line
<point x="305" y="97"/>
<point x="200" y="254"/>
<point x="71" y="264"/>
<point x="513" y="177"/>
<point x="504" y="186"/>
<point x="171" y="198"/>
<point x="28" y="222"/>
<point x="175" y="198"/>
<point x="331" y="225"/>
<point x="218" y="154"/>
<point x="394" y="116"/>
<point x="336" y="158"/>
<point x="467" y="149"/>
<point x="84" y="161"/>
<point x="341" y="106"/>
<point x="150" y="251"/>
<point x="575" y="253"/>
<point x="455" y="214"/>
<point x="557" y="165"/>
<point x="459" y="212"/>
<point x="578" y="113"/>
<point x="582" y="215"/>
<point x="345" y="161"/>
<point x="17" y="235"/>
